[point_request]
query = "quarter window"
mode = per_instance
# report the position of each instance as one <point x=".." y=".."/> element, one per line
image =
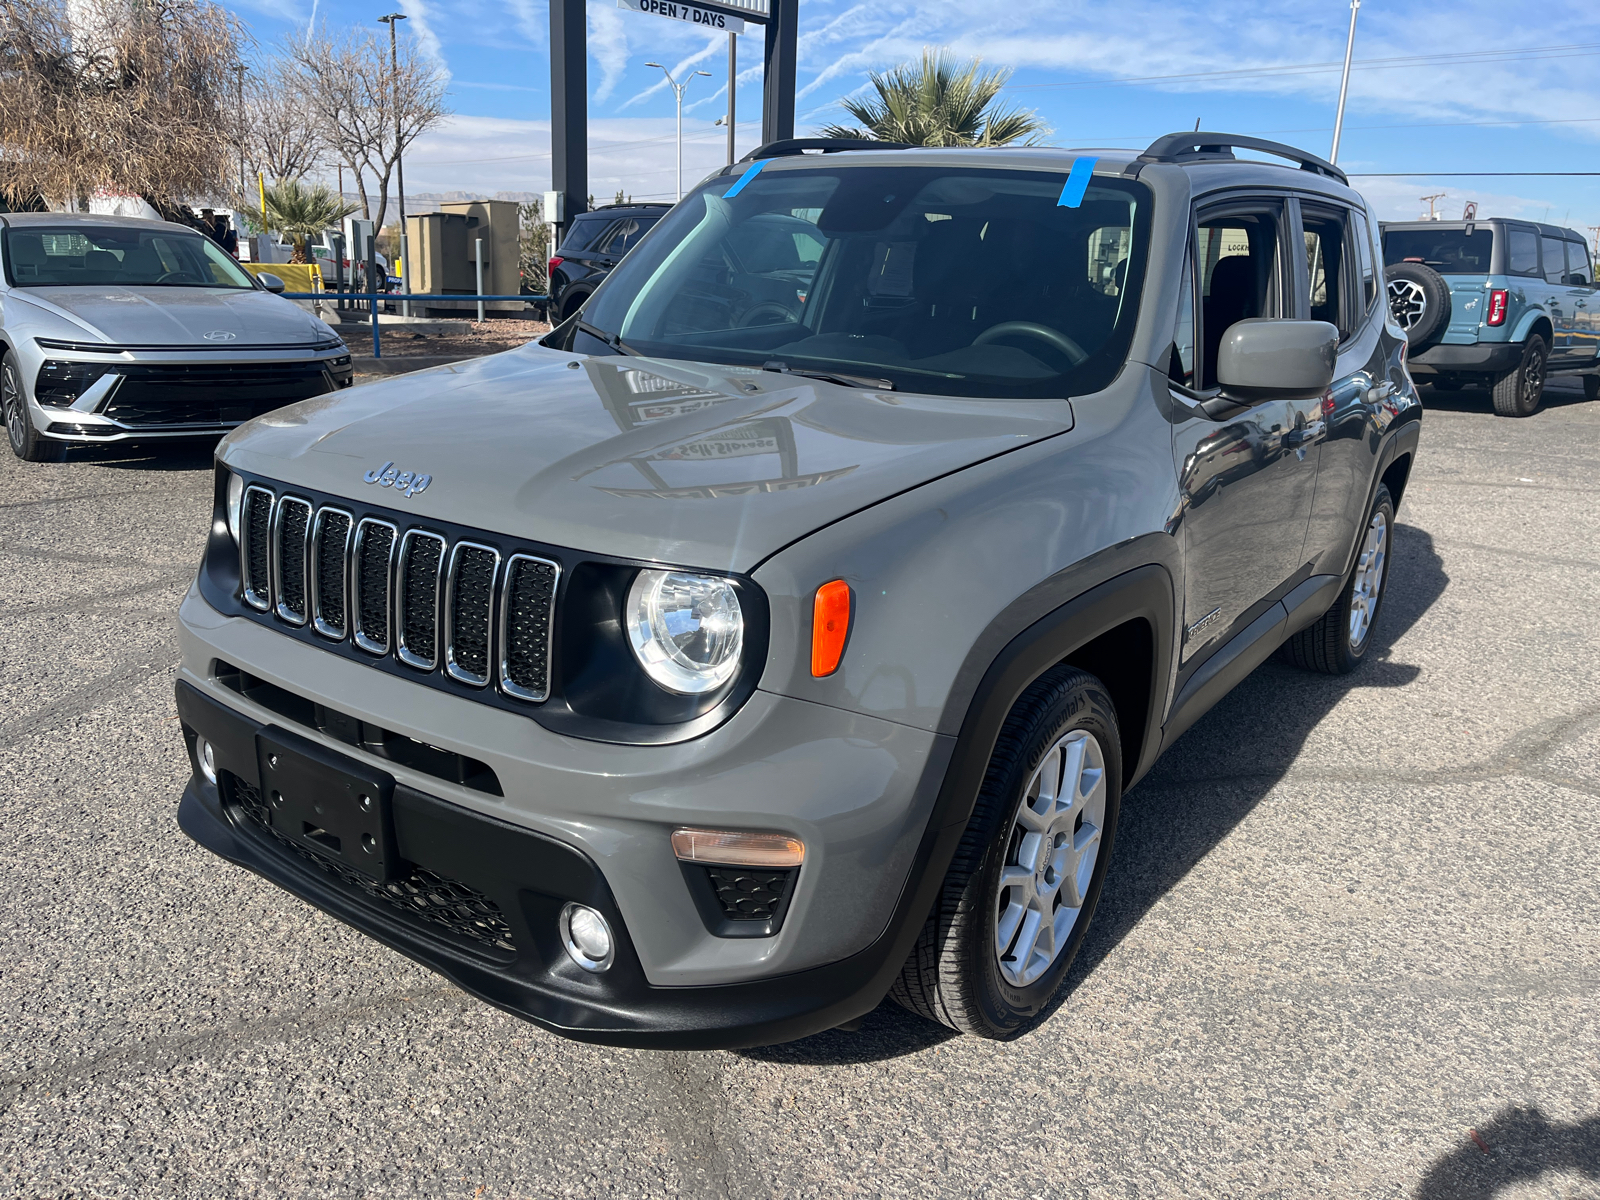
<point x="1369" y="274"/>
<point x="1181" y="367"/>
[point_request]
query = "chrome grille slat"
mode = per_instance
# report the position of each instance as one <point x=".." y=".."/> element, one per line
<point x="291" y="532"/>
<point x="526" y="604"/>
<point x="417" y="583"/>
<point x="469" y="612"/>
<point x="330" y="586"/>
<point x="255" y="536"/>
<point x="371" y="575"/>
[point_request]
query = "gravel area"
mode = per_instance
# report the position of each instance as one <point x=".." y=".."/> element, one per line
<point x="1350" y="944"/>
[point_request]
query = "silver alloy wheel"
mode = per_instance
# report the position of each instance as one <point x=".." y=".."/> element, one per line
<point x="1408" y="302"/>
<point x="1369" y="580"/>
<point x="16" y="411"/>
<point x="1050" y="857"/>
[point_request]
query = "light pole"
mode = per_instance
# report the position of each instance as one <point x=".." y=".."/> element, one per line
<point x="240" y="69"/>
<point x="399" y="166"/>
<point x="678" y="90"/>
<point x="1344" y="81"/>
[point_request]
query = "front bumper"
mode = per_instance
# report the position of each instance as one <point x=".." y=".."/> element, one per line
<point x="858" y="792"/>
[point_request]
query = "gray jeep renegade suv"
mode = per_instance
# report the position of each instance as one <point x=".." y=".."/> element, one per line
<point x="783" y="631"/>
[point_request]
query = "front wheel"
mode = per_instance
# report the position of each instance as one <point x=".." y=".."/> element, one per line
<point x="1336" y="643"/>
<point x="26" y="442"/>
<point x="1517" y="393"/>
<point x="1024" y="881"/>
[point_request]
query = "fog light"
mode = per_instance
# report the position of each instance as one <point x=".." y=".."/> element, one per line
<point x="587" y="937"/>
<point x="207" y="758"/>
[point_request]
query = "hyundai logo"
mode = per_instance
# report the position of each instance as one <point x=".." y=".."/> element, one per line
<point x="408" y="483"/>
<point x="219" y="335"/>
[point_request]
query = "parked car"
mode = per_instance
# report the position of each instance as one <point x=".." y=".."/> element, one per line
<point x="595" y="242"/>
<point x="114" y="328"/>
<point x="1495" y="302"/>
<point x="768" y="639"/>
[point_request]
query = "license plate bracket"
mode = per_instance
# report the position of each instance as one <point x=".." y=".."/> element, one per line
<point x="336" y="807"/>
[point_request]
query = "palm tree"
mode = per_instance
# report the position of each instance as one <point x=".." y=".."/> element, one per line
<point x="938" y="102"/>
<point x="298" y="212"/>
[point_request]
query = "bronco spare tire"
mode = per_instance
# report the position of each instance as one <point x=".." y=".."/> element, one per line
<point x="1419" y="300"/>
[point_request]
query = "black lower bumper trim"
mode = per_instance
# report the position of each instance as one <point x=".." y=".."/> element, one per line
<point x="1485" y="357"/>
<point x="529" y="878"/>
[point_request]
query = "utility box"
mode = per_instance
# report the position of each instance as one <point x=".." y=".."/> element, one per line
<point x="440" y="255"/>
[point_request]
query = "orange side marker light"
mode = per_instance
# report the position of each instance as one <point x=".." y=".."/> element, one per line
<point x="830" y="626"/>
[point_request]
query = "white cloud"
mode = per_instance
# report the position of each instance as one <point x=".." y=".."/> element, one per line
<point x="420" y="19"/>
<point x="608" y="46"/>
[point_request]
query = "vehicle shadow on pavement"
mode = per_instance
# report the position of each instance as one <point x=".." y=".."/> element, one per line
<point x="1477" y="400"/>
<point x="188" y="455"/>
<point x="1517" y="1146"/>
<point x="1192" y="799"/>
<point x="1217" y="773"/>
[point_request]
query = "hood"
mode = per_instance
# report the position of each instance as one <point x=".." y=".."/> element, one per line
<point x="172" y="316"/>
<point x="655" y="459"/>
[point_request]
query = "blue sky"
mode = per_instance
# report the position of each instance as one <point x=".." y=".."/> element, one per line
<point x="1469" y="85"/>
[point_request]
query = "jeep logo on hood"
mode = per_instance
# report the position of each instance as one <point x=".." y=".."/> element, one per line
<point x="409" y="483"/>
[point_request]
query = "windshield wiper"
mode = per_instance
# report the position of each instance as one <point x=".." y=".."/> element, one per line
<point x="609" y="339"/>
<point x="855" y="381"/>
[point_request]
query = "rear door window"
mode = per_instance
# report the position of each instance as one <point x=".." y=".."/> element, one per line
<point x="1555" y="263"/>
<point x="1522" y="252"/>
<point x="1325" y="242"/>
<point x="625" y="235"/>
<point x="1368" y="273"/>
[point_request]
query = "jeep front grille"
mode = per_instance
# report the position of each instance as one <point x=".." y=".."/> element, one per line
<point x="461" y="609"/>
<point x="330" y="550"/>
<point x="292" y="526"/>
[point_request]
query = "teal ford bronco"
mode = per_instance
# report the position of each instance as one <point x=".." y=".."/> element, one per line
<point x="1494" y="302"/>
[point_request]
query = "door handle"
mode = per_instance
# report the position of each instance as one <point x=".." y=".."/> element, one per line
<point x="1582" y="304"/>
<point x="1380" y="393"/>
<point x="1307" y="433"/>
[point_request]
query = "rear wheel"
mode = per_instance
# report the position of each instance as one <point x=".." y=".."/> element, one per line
<point x="1517" y="393"/>
<point x="26" y="443"/>
<point x="1336" y="643"/>
<point x="1024" y="882"/>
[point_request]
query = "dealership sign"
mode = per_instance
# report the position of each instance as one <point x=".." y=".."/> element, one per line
<point x="689" y="14"/>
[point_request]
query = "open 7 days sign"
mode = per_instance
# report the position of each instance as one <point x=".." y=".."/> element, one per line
<point x="692" y="14"/>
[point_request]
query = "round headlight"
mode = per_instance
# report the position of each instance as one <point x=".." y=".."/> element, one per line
<point x="687" y="630"/>
<point x="235" y="503"/>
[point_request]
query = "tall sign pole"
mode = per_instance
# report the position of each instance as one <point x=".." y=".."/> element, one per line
<point x="569" y="108"/>
<point x="392" y="20"/>
<point x="777" y="101"/>
<point x="1344" y="81"/>
<point x="733" y="90"/>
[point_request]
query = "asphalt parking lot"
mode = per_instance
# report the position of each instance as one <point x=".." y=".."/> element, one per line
<point x="1350" y="946"/>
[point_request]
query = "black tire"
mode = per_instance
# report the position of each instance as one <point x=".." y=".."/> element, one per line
<point x="1327" y="644"/>
<point x="953" y="974"/>
<point x="1591" y="387"/>
<point x="1518" y="392"/>
<point x="571" y="304"/>
<point x="1419" y="299"/>
<point x="1446" y="383"/>
<point x="25" y="440"/>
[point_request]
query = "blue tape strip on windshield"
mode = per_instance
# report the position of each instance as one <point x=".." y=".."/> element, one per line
<point x="1077" y="183"/>
<point x="755" y="169"/>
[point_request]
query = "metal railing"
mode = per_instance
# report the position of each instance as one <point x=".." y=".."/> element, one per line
<point x="377" y="297"/>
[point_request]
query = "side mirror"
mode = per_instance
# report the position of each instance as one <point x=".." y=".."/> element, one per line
<point x="271" y="282"/>
<point x="1265" y="359"/>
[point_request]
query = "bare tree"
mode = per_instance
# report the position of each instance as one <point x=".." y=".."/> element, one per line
<point x="128" y="96"/>
<point x="349" y="83"/>
<point x="279" y="124"/>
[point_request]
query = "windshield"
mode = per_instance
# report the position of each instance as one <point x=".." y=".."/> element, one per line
<point x="1448" y="251"/>
<point x="956" y="282"/>
<point x="50" y="256"/>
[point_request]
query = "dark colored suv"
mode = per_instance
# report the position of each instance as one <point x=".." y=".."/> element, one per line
<point x="596" y="242"/>
<point x="1497" y="302"/>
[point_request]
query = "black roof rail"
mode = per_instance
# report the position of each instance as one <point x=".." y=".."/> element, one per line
<point x="1219" y="147"/>
<point x="792" y="146"/>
